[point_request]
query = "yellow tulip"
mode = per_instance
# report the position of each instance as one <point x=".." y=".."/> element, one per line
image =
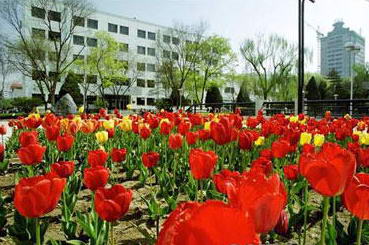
<point x="125" y="125"/>
<point x="109" y="124"/>
<point x="294" y="119"/>
<point x="102" y="137"/>
<point x="260" y="141"/>
<point x="319" y="140"/>
<point x="129" y="107"/>
<point x="207" y="125"/>
<point x="305" y="138"/>
<point x="81" y="109"/>
<point x="364" y="138"/>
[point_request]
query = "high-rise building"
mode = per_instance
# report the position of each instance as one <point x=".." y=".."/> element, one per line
<point x="335" y="56"/>
<point x="138" y="45"/>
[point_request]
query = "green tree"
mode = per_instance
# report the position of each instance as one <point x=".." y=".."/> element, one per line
<point x="312" y="90"/>
<point x="107" y="62"/>
<point x="323" y="90"/>
<point x="243" y="95"/>
<point x="360" y="81"/>
<point x="213" y="95"/>
<point x="271" y="59"/>
<point x="216" y="57"/>
<point x="71" y="86"/>
<point x="337" y="85"/>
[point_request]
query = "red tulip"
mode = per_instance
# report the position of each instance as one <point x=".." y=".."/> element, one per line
<point x="145" y="132"/>
<point x="267" y="153"/>
<point x="2" y="129"/>
<point x="204" y="134"/>
<point x="165" y="127"/>
<point x="202" y="163"/>
<point x="65" y="142"/>
<point x="52" y="132"/>
<point x="245" y="140"/>
<point x="261" y="198"/>
<point x="95" y="177"/>
<point x="97" y="158"/>
<point x="63" y="169"/>
<point x="112" y="203"/>
<point x="31" y="154"/>
<point x="263" y="165"/>
<point x="28" y="138"/>
<point x="226" y="180"/>
<point x="362" y="156"/>
<point x="221" y="132"/>
<point x="282" y="226"/>
<point x="37" y="196"/>
<point x="356" y="196"/>
<point x="211" y="223"/>
<point x="32" y="122"/>
<point x="111" y="132"/>
<point x="184" y="127"/>
<point x="191" y="137"/>
<point x="118" y="155"/>
<point x="2" y="152"/>
<point x="175" y="141"/>
<point x="150" y="159"/>
<point x="280" y="148"/>
<point x="328" y="171"/>
<point x="291" y="172"/>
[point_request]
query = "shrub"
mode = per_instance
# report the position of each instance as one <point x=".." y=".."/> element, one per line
<point x="26" y="104"/>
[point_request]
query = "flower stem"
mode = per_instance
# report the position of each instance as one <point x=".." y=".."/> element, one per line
<point x="306" y="199"/>
<point x="112" y="241"/>
<point x="38" y="233"/>
<point x="359" y="231"/>
<point x="325" y="219"/>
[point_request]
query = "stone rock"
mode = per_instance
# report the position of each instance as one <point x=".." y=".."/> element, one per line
<point x="66" y="105"/>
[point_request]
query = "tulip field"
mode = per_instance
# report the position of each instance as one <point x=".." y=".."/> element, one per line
<point x="181" y="178"/>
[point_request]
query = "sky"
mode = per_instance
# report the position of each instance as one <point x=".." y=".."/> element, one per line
<point x="238" y="20"/>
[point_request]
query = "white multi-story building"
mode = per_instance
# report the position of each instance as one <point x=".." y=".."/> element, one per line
<point x="138" y="44"/>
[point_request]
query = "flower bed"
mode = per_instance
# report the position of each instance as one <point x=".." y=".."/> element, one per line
<point x="182" y="178"/>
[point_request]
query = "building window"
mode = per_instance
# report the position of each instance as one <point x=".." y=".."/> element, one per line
<point x="175" y="56"/>
<point x="141" y="83"/>
<point x="91" y="79"/>
<point x="38" y="75"/>
<point x="124" y="30"/>
<point x="54" y="36"/>
<point x="38" y="33"/>
<point x="151" y="51"/>
<point x="38" y="12"/>
<point x="78" y="40"/>
<point x="166" y="38"/>
<point x="151" y="67"/>
<point x="151" y="35"/>
<point x="229" y="90"/>
<point x="141" y="33"/>
<point x="123" y="47"/>
<point x="141" y="66"/>
<point x="150" y="83"/>
<point x="78" y="57"/>
<point x="79" y="21"/>
<point x="141" y="50"/>
<point x="140" y="101"/>
<point x="112" y="28"/>
<point x="166" y="54"/>
<point x="175" y="40"/>
<point x="55" y="16"/>
<point x="91" y="42"/>
<point x="93" y="24"/>
<point x="150" y="101"/>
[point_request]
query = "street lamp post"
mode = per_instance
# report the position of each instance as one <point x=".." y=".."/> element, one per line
<point x="352" y="49"/>
<point x="301" y="55"/>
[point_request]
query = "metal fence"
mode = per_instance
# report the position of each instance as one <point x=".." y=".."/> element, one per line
<point x="247" y="109"/>
<point x="338" y="108"/>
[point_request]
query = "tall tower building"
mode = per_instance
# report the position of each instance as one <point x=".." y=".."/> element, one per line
<point x="334" y="55"/>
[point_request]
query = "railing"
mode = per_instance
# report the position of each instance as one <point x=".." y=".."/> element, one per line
<point x="247" y="108"/>
<point x="274" y="107"/>
<point x="338" y="108"/>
